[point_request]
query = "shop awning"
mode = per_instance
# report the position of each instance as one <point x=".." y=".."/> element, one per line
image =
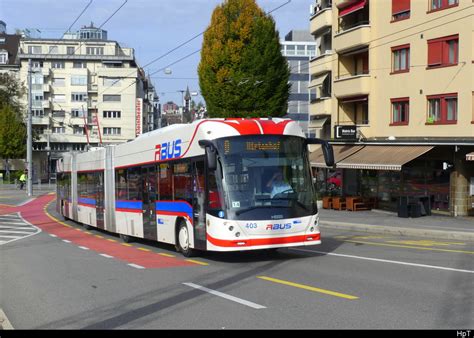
<point x="470" y="157"/>
<point x="318" y="123"/>
<point x="352" y="8"/>
<point x="374" y="157"/>
<point x="341" y="152"/>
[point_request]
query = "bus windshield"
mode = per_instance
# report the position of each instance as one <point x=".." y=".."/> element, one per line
<point x="266" y="177"/>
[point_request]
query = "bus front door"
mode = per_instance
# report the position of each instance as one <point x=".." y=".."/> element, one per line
<point x="149" y="203"/>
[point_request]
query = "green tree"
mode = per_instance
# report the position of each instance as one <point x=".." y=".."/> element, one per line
<point x="242" y="72"/>
<point x="12" y="126"/>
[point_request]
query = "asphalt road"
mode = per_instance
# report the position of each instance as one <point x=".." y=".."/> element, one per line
<point x="351" y="281"/>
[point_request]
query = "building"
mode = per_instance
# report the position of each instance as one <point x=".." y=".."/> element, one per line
<point x="298" y="48"/>
<point x="86" y="90"/>
<point x="395" y="82"/>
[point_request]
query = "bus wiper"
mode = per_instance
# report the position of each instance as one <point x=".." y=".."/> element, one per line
<point x="294" y="200"/>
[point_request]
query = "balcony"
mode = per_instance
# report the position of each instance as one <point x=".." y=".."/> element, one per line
<point x="353" y="37"/>
<point x="320" y="20"/>
<point x="352" y="85"/>
<point x="45" y="104"/>
<point x="46" y="87"/>
<point x="40" y="120"/>
<point x="92" y="88"/>
<point x="320" y="107"/>
<point x="322" y="63"/>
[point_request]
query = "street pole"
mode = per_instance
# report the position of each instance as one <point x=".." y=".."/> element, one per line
<point x="29" y="141"/>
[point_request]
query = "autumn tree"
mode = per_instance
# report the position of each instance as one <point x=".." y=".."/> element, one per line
<point x="242" y="72"/>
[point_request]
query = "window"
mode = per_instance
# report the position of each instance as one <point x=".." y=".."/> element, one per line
<point x="442" y="109"/>
<point x="59" y="130"/>
<point x="443" y="51"/>
<point x="400" y="59"/>
<point x="437" y="5"/>
<point x="79" y="80"/>
<point x="134" y="184"/>
<point x="400" y="10"/>
<point x="57" y="64"/>
<point x="59" y="98"/>
<point x="34" y="50"/>
<point x="165" y="182"/>
<point x="78" y="146"/>
<point x="111" y="98"/>
<point x="36" y="64"/>
<point x="400" y="111"/>
<point x="78" y="64"/>
<point x="112" y="82"/>
<point x="59" y="113"/>
<point x="79" y="97"/>
<point x="71" y="50"/>
<point x="112" y="131"/>
<point x="95" y="50"/>
<point x="37" y="112"/>
<point x="53" y="49"/>
<point x="183" y="182"/>
<point x="77" y="112"/>
<point x="112" y="114"/>
<point x="59" y="82"/>
<point x="3" y="58"/>
<point x="78" y="130"/>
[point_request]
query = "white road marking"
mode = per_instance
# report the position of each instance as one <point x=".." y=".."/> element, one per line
<point x="385" y="261"/>
<point x="83" y="248"/>
<point x="15" y="232"/>
<point x="106" y="256"/>
<point x="226" y="296"/>
<point x="54" y="236"/>
<point x="11" y="223"/>
<point x="136" y="266"/>
<point x="66" y="241"/>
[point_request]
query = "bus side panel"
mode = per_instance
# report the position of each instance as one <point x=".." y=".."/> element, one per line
<point x="129" y="223"/>
<point x="87" y="215"/>
<point x="74" y="214"/>
<point x="166" y="228"/>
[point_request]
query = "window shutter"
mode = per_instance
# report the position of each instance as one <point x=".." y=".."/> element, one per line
<point x="435" y="53"/>
<point x="400" y="6"/>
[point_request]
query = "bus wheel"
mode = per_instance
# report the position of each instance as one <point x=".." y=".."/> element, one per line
<point x="86" y="226"/>
<point x="125" y="238"/>
<point x="183" y="240"/>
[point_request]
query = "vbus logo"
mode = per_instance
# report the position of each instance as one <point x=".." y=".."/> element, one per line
<point x="168" y="150"/>
<point x="279" y="226"/>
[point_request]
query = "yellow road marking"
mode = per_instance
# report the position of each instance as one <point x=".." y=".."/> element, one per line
<point x="196" y="262"/>
<point x="411" y="247"/>
<point x="143" y="249"/>
<point x="99" y="236"/>
<point x="166" y="255"/>
<point x="308" y="288"/>
<point x="111" y="240"/>
<point x="426" y="243"/>
<point x="126" y="244"/>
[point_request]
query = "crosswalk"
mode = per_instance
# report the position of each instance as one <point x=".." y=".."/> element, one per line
<point x="13" y="227"/>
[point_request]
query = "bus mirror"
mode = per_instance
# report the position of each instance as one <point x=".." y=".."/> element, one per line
<point x="211" y="153"/>
<point x="327" y="150"/>
<point x="211" y="157"/>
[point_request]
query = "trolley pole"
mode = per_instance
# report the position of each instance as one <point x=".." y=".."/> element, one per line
<point x="29" y="141"/>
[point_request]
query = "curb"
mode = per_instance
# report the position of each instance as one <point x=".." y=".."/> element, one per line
<point x="379" y="229"/>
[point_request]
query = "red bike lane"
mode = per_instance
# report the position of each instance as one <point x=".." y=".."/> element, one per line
<point x="35" y="213"/>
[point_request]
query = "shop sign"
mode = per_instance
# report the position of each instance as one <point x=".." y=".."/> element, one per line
<point x="345" y="132"/>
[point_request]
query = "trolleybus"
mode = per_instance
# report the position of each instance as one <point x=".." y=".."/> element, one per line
<point x="215" y="184"/>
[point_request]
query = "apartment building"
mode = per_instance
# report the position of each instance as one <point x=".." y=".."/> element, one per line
<point x="395" y="82"/>
<point x="298" y="48"/>
<point x="86" y="90"/>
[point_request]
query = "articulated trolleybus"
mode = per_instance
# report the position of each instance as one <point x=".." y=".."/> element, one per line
<point x="215" y="184"/>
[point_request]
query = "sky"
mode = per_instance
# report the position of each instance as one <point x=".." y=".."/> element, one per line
<point x="152" y="27"/>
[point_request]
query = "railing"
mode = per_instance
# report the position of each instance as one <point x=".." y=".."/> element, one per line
<point x="346" y="27"/>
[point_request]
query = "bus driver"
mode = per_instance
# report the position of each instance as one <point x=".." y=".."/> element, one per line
<point x="278" y="185"/>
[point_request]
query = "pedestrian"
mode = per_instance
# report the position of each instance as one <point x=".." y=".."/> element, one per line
<point x="22" y="180"/>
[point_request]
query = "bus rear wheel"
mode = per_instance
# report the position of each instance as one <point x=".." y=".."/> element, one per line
<point x="183" y="240"/>
<point x="126" y="238"/>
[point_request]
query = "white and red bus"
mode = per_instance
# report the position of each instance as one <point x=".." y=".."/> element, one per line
<point x="215" y="184"/>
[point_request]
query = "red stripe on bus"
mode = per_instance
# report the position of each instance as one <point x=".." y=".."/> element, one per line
<point x="135" y="211"/>
<point x="262" y="241"/>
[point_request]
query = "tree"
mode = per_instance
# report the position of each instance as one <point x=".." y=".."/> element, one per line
<point x="242" y="72"/>
<point x="12" y="126"/>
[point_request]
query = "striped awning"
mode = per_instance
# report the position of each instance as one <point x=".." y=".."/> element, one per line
<point x="470" y="157"/>
<point x="374" y="157"/>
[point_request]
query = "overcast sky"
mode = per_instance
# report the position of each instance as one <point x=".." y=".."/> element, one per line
<point x="151" y="27"/>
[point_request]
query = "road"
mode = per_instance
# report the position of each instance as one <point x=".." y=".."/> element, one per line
<point x="65" y="277"/>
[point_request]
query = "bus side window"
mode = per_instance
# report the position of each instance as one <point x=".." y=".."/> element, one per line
<point x="183" y="185"/>
<point x="121" y="184"/>
<point x="134" y="184"/>
<point x="165" y="183"/>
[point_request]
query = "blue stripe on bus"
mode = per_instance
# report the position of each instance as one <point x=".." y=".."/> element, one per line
<point x="178" y="207"/>
<point x="132" y="205"/>
<point x="88" y="201"/>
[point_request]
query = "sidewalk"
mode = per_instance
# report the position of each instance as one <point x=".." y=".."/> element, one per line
<point x="375" y="221"/>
